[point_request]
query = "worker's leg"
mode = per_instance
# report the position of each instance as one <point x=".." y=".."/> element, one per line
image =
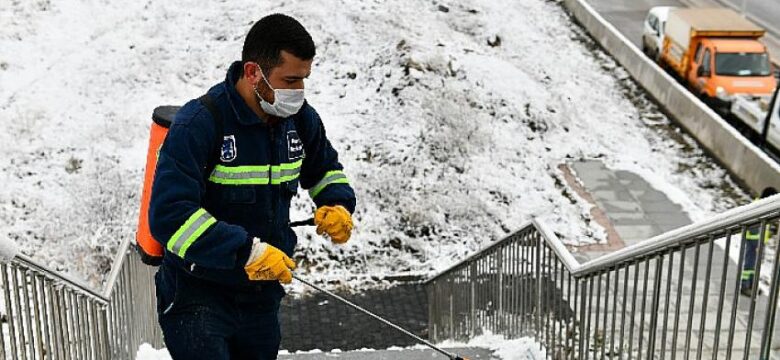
<point x="196" y="333"/>
<point x="259" y="333"/>
<point x="749" y="266"/>
<point x="195" y="323"/>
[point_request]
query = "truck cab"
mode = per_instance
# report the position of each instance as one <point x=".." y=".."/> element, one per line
<point x="718" y="54"/>
<point x="724" y="67"/>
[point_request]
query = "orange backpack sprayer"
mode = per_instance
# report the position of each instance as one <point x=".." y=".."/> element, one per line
<point x="151" y="251"/>
<point x="149" y="248"/>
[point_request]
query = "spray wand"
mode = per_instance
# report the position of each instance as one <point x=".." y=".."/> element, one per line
<point x="449" y="355"/>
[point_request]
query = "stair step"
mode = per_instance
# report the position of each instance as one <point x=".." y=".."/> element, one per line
<point x="319" y="322"/>
<point x="406" y="354"/>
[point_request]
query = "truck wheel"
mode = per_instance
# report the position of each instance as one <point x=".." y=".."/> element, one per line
<point x="715" y="105"/>
<point x="706" y="100"/>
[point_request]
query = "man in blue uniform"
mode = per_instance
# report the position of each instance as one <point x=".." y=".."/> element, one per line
<point x="230" y="164"/>
<point x="752" y="236"/>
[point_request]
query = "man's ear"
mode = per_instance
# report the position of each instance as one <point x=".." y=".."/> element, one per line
<point x="252" y="72"/>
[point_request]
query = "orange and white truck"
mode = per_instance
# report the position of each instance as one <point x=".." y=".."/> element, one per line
<point x="718" y="55"/>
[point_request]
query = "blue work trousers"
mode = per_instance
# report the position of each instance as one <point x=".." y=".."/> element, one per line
<point x="200" y="320"/>
<point x="749" y="265"/>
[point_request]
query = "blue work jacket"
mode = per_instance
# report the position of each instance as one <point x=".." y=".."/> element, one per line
<point x="206" y="211"/>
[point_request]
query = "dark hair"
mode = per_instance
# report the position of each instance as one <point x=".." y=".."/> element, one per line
<point x="272" y="34"/>
<point x="768" y="192"/>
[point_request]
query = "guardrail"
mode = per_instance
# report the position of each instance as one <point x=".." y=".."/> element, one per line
<point x="51" y="316"/>
<point x="132" y="314"/>
<point x="673" y="296"/>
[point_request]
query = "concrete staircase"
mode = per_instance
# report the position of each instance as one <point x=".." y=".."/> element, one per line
<point x="406" y="354"/>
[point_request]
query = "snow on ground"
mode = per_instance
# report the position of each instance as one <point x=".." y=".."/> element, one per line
<point x="504" y="349"/>
<point x="451" y="119"/>
<point x="8" y="249"/>
<point x="148" y="352"/>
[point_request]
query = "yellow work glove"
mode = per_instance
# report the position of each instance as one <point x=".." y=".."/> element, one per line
<point x="336" y="221"/>
<point x="268" y="263"/>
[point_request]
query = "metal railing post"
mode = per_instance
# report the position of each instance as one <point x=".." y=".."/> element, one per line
<point x="771" y="307"/>
<point x="756" y="280"/>
<point x="707" y="276"/>
<point x="538" y="276"/>
<point x="500" y="270"/>
<point x="735" y="301"/>
<point x="655" y="306"/>
<point x="669" y="272"/>
<point x="722" y="296"/>
<point x="472" y="298"/>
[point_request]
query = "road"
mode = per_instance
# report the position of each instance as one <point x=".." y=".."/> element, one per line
<point x="766" y="12"/>
<point x="628" y="16"/>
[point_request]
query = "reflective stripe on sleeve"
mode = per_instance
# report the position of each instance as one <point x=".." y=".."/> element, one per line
<point x="750" y="235"/>
<point x="192" y="229"/>
<point x="331" y="177"/>
<point x="747" y="274"/>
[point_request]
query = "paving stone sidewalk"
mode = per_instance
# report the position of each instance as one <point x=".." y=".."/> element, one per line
<point x="636" y="209"/>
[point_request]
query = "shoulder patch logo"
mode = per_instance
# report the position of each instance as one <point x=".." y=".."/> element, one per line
<point x="228" y="152"/>
<point x="294" y="146"/>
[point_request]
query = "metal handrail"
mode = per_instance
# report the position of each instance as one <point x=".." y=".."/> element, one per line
<point x="116" y="268"/>
<point x="25" y="261"/>
<point x="743" y="215"/>
<point x="529" y="284"/>
<point x="659" y="243"/>
<point x="526" y="284"/>
<point x="54" y="316"/>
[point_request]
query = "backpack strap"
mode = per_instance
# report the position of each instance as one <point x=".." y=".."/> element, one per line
<point x="208" y="102"/>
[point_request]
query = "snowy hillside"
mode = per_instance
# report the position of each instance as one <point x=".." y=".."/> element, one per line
<point x="451" y="119"/>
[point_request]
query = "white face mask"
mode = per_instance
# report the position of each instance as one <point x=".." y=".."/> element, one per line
<point x="287" y="102"/>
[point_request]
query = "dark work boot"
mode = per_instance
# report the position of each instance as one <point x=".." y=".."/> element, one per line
<point x="746" y="290"/>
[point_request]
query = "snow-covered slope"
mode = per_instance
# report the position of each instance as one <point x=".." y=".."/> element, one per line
<point x="451" y="119"/>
